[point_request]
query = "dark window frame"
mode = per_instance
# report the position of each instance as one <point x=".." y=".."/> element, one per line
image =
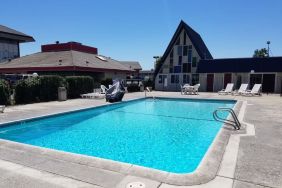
<point x="194" y="61"/>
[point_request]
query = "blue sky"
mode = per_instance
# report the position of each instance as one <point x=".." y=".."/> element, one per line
<point x="139" y="30"/>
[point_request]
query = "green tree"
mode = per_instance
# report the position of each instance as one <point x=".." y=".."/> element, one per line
<point x="157" y="64"/>
<point x="261" y="53"/>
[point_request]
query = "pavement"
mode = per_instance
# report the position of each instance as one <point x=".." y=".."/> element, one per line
<point x="258" y="163"/>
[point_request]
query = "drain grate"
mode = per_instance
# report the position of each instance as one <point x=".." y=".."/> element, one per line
<point x="136" y="185"/>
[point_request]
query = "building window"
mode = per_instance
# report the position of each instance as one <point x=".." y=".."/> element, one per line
<point x="177" y="69"/>
<point x="170" y="70"/>
<point x="186" y="79"/>
<point x="178" y="41"/>
<point x="171" y="62"/>
<point x="179" y="50"/>
<point x="176" y="79"/>
<point x="160" y="79"/>
<point x="172" y="79"/>
<point x="190" y="47"/>
<point x="194" y="62"/>
<point x="171" y="54"/>
<point x="186" y="67"/>
<point x="185" y="50"/>
<point x="179" y="60"/>
<point x="184" y="38"/>
<point x="190" y="56"/>
<point x="195" y="79"/>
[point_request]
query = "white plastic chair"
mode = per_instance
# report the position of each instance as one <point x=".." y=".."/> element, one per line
<point x="256" y="90"/>
<point x="243" y="88"/>
<point x="227" y="90"/>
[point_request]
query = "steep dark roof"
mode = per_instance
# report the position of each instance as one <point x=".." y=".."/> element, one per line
<point x="267" y="64"/>
<point x="195" y="38"/>
<point x="6" y="32"/>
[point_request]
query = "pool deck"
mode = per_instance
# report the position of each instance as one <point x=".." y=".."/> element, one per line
<point x="251" y="160"/>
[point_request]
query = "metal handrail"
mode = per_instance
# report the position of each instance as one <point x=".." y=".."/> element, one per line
<point x="236" y="124"/>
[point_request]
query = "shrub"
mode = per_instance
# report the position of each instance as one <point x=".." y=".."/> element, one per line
<point x="49" y="87"/>
<point x="27" y="91"/>
<point x="148" y="83"/>
<point x="77" y="85"/>
<point x="4" y="92"/>
<point x="38" y="89"/>
<point x="133" y="88"/>
<point x="106" y="82"/>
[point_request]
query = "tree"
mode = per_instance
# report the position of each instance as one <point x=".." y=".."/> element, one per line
<point x="157" y="64"/>
<point x="261" y="53"/>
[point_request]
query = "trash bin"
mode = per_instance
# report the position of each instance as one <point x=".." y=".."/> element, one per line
<point x="62" y="94"/>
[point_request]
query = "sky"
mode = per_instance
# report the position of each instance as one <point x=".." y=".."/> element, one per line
<point x="137" y="30"/>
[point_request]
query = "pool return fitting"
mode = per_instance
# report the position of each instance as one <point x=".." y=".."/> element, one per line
<point x="235" y="123"/>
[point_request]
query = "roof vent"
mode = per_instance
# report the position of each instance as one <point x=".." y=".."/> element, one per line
<point x="57" y="42"/>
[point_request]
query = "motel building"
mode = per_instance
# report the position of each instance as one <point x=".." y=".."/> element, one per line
<point x="188" y="60"/>
<point x="65" y="59"/>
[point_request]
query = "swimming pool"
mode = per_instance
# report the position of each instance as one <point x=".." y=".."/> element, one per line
<point x="172" y="135"/>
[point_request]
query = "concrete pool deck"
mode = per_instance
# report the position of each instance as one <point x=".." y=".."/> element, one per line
<point x="259" y="161"/>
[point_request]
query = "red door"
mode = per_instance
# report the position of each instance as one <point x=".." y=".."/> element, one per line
<point x="227" y="79"/>
<point x="210" y="82"/>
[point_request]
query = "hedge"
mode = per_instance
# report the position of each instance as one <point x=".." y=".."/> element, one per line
<point x="106" y="82"/>
<point x="4" y="92"/>
<point x="77" y="85"/>
<point x="38" y="89"/>
<point x="133" y="88"/>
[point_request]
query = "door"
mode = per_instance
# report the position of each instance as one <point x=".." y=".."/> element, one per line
<point x="268" y="83"/>
<point x="255" y="79"/>
<point x="227" y="79"/>
<point x="210" y="78"/>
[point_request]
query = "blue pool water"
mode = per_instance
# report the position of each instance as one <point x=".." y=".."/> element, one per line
<point x="167" y="134"/>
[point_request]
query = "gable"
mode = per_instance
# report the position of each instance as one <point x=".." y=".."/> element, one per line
<point x="195" y="39"/>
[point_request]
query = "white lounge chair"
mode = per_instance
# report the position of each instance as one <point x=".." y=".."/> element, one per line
<point x="243" y="88"/>
<point x="96" y="94"/>
<point x="2" y="108"/>
<point x="93" y="96"/>
<point x="196" y="89"/>
<point x="227" y="90"/>
<point x="182" y="88"/>
<point x="256" y="90"/>
<point x="103" y="89"/>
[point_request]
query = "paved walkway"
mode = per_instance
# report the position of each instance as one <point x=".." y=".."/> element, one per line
<point x="259" y="163"/>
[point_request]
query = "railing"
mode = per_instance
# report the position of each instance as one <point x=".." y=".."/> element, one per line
<point x="235" y="123"/>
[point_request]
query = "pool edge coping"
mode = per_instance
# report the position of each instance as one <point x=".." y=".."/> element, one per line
<point x="200" y="176"/>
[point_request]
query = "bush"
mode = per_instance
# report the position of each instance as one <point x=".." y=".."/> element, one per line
<point x="27" y="91"/>
<point x="106" y="82"/>
<point x="5" y="92"/>
<point x="49" y="87"/>
<point x="38" y="89"/>
<point x="148" y="83"/>
<point x="133" y="88"/>
<point x="77" y="85"/>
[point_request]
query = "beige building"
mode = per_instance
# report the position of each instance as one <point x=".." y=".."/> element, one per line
<point x="68" y="59"/>
<point x="188" y="60"/>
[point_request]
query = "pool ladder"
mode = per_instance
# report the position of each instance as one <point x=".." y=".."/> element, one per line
<point x="235" y="123"/>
